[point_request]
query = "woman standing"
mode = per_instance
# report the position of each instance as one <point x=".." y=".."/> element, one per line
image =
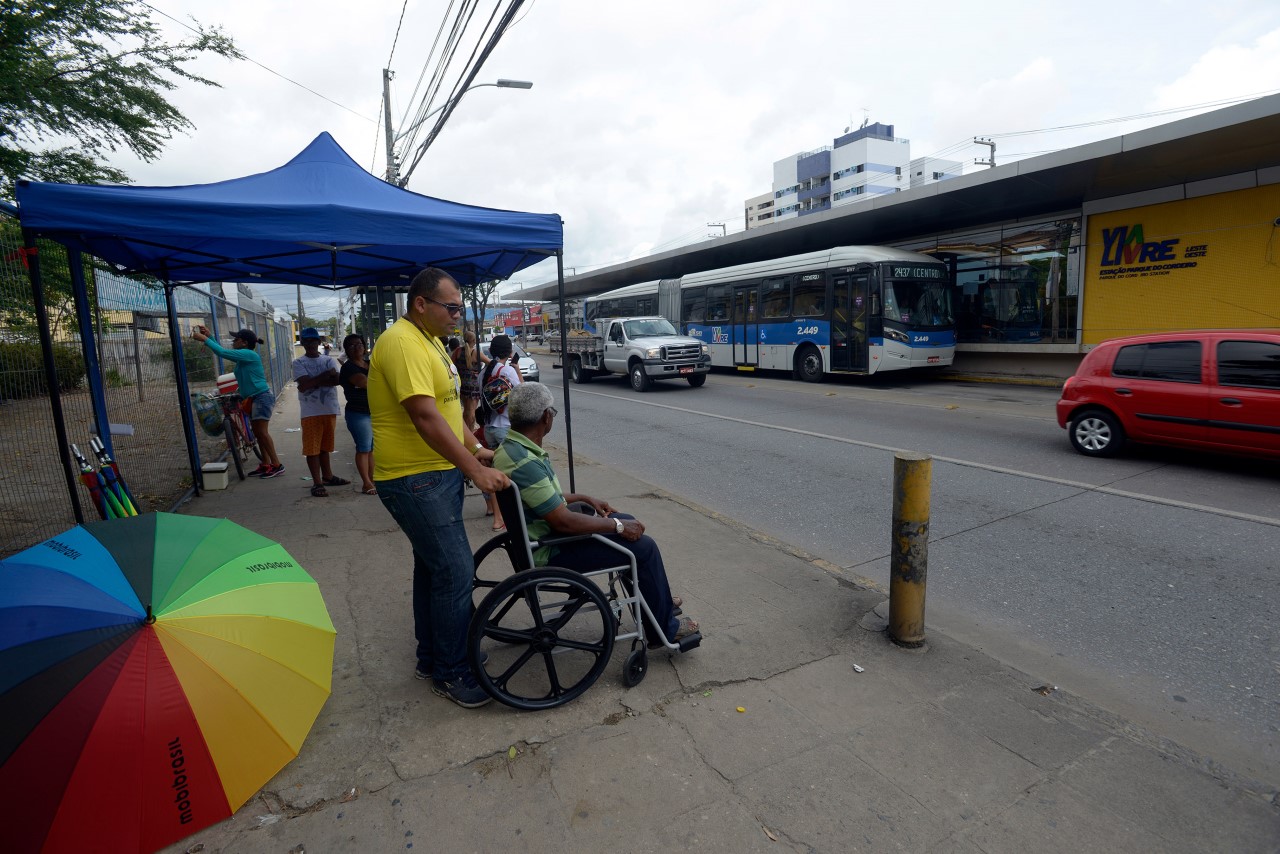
<point x="354" y="379"/>
<point x="497" y="423"/>
<point x="469" y="361"/>
<point x="254" y="390"/>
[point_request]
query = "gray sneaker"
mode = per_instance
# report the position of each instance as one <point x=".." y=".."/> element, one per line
<point x="463" y="690"/>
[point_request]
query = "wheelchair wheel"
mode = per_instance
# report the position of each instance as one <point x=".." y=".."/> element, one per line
<point x="494" y="561"/>
<point x="548" y="634"/>
<point x="633" y="672"/>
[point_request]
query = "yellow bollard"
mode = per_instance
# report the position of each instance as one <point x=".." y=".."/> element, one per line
<point x="909" y="551"/>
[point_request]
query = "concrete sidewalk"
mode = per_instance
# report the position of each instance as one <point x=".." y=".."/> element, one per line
<point x="763" y="739"/>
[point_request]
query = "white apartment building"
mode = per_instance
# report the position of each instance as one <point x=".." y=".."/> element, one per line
<point x="926" y="170"/>
<point x="863" y="163"/>
<point x="759" y="210"/>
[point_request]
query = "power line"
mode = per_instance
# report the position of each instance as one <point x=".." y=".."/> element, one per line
<point x="396" y="38"/>
<point x="260" y="65"/>
<point x="1219" y="103"/>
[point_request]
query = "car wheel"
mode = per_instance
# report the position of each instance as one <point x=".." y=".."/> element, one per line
<point x="697" y="380"/>
<point x="639" y="379"/>
<point x="1096" y="433"/>
<point x="577" y="373"/>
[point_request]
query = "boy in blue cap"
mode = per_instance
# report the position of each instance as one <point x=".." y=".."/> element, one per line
<point x="317" y="378"/>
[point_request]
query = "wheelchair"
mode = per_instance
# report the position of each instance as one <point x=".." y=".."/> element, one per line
<point x="541" y="636"/>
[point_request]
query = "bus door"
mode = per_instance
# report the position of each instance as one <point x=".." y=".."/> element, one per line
<point x="850" y="307"/>
<point x="746" y="328"/>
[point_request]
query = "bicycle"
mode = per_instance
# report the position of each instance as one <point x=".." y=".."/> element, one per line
<point x="238" y="431"/>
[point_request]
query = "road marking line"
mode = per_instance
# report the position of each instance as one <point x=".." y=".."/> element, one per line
<point x="1086" y="487"/>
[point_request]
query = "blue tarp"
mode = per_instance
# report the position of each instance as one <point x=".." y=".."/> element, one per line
<point x="318" y="220"/>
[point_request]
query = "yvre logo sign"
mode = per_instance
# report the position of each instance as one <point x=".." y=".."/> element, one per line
<point x="1125" y="244"/>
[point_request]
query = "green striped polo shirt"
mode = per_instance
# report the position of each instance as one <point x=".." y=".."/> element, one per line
<point x="530" y="468"/>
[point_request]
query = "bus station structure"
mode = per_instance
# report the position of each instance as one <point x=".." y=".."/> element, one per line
<point x="1172" y="227"/>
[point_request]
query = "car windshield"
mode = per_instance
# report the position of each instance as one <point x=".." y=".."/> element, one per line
<point x="648" y="328"/>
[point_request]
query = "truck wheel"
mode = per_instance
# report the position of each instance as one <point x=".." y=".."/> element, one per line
<point x="639" y="379"/>
<point x="697" y="380"/>
<point x="808" y="364"/>
<point x="577" y="373"/>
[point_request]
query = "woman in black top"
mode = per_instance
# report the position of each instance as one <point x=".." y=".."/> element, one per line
<point x="354" y="378"/>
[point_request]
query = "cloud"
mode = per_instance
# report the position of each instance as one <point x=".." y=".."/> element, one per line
<point x="647" y="121"/>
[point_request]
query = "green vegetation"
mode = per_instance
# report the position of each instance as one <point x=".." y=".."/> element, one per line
<point x="94" y="72"/>
<point x="22" y="369"/>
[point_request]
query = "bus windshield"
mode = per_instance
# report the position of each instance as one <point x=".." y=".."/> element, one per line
<point x="648" y="327"/>
<point x="923" y="305"/>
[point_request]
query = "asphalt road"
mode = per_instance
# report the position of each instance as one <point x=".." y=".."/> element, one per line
<point x="1147" y="584"/>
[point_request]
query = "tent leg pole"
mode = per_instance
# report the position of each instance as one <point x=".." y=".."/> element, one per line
<point x="564" y="367"/>
<point x="92" y="368"/>
<point x="51" y="372"/>
<point x="184" y="399"/>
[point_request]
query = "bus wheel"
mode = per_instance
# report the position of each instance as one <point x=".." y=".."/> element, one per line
<point x="577" y="373"/>
<point x="697" y="380"/>
<point x="639" y="379"/>
<point x="809" y="364"/>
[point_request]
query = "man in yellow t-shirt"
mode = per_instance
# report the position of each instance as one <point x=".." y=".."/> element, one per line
<point x="423" y="455"/>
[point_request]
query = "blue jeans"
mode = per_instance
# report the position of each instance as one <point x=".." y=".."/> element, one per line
<point x="428" y="508"/>
<point x="263" y="404"/>
<point x="588" y="555"/>
<point x="361" y="426"/>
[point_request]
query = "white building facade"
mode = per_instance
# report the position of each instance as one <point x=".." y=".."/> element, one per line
<point x="859" y="165"/>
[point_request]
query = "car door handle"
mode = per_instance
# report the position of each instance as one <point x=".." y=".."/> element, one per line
<point x="1124" y="392"/>
<point x="1230" y="401"/>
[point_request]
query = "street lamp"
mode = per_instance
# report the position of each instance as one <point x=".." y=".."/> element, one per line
<point x="393" y="171"/>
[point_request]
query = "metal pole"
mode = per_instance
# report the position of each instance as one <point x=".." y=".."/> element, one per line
<point x="564" y="367"/>
<point x="909" y="549"/>
<point x="137" y="359"/>
<point x="184" y="390"/>
<point x="92" y="370"/>
<point x="393" y="168"/>
<point x="51" y="372"/>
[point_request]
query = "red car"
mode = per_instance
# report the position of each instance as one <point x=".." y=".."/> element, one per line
<point x="1217" y="390"/>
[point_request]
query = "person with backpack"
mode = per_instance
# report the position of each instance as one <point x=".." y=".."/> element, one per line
<point x="497" y="380"/>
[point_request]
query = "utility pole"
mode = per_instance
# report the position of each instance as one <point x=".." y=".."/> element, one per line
<point x="301" y="316"/>
<point x="991" y="159"/>
<point x="393" y="168"/>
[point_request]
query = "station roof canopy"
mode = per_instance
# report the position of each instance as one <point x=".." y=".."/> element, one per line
<point x="1230" y="141"/>
<point x="317" y="220"/>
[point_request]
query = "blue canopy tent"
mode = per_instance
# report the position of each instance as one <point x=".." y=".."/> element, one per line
<point x="318" y="220"/>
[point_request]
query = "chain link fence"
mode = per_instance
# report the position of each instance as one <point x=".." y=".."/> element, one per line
<point x="129" y="333"/>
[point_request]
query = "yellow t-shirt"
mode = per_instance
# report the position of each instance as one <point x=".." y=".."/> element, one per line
<point x="406" y="363"/>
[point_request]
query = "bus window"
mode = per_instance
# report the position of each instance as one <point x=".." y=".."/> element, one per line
<point x="775" y="298"/>
<point x="890" y="305"/>
<point x="694" y="309"/>
<point x="809" y="296"/>
<point x="718" y="303"/>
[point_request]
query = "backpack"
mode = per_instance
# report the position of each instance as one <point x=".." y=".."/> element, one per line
<point x="494" y="391"/>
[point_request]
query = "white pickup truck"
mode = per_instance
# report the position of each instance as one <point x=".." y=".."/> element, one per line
<point x="643" y="348"/>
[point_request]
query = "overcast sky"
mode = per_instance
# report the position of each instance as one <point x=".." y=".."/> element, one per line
<point x="649" y="120"/>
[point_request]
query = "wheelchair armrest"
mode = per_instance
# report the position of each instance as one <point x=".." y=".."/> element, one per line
<point x="556" y="541"/>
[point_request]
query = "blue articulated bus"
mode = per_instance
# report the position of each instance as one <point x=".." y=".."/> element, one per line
<point x="848" y="310"/>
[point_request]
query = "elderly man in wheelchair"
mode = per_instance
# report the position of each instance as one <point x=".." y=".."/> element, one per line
<point x="542" y="636"/>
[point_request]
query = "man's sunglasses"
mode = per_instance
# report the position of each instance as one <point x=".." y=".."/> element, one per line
<point x="451" y="307"/>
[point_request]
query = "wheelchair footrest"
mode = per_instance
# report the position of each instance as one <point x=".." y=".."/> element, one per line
<point x="690" y="642"/>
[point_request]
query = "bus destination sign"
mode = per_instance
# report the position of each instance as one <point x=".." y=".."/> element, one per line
<point x="903" y="271"/>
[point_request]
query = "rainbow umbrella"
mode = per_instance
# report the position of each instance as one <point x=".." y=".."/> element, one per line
<point x="155" y="672"/>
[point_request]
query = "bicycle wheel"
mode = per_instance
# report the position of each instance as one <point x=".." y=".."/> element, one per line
<point x="233" y="444"/>
<point x="250" y="439"/>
